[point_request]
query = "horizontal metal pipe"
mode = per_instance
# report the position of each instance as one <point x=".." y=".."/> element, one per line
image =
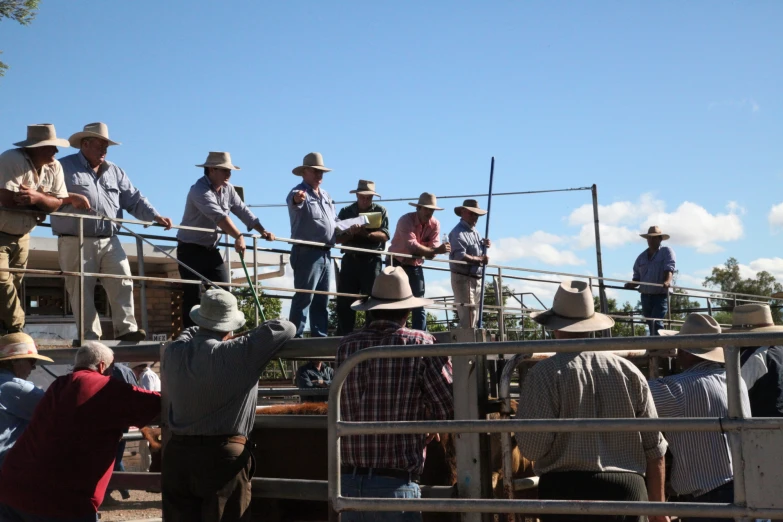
<point x="285" y="392"/>
<point x="291" y="422"/>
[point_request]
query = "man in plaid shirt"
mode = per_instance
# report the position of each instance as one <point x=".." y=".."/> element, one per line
<point x="405" y="389"/>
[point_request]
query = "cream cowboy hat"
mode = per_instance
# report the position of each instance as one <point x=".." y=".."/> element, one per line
<point x="219" y="160"/>
<point x="573" y="310"/>
<point x="365" y="188"/>
<point x="19" y="346"/>
<point x="314" y="160"/>
<point x="42" y="135"/>
<point x="427" y="200"/>
<point x="469" y="204"/>
<point x="391" y="291"/>
<point x="752" y="318"/>
<point x="655" y="231"/>
<point x="699" y="324"/>
<point x="92" y="130"/>
<point x="218" y="311"/>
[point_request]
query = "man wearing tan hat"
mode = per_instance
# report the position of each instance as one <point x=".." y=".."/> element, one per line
<point x="388" y="390"/>
<point x="467" y="245"/>
<point x="655" y="265"/>
<point x="623" y="466"/>
<point x="358" y="269"/>
<point x="30" y="179"/>
<point x="702" y="468"/>
<point x="418" y="234"/>
<point x="211" y="201"/>
<point x="312" y="216"/>
<point x="100" y="188"/>
<point x="18" y="396"/>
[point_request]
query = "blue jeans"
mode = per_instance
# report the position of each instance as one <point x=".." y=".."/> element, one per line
<point x="9" y="514"/>
<point x="416" y="279"/>
<point x="379" y="487"/>
<point x="655" y="305"/>
<point x="312" y="271"/>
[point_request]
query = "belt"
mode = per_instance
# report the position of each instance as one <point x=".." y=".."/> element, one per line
<point x="85" y="237"/>
<point x="15" y="236"/>
<point x="209" y="440"/>
<point x="381" y="472"/>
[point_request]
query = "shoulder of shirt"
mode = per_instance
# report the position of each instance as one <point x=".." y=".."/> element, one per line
<point x="13" y="154"/>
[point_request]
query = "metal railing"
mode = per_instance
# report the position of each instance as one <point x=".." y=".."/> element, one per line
<point x="734" y="425"/>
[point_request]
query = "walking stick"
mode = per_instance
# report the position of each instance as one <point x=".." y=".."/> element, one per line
<point x="480" y="323"/>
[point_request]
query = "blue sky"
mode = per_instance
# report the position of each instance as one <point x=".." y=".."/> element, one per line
<point x="674" y="110"/>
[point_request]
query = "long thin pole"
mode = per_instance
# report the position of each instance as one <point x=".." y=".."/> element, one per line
<point x="480" y="323"/>
<point x="599" y="261"/>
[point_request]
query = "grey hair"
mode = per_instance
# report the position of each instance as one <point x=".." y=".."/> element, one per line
<point x="91" y="354"/>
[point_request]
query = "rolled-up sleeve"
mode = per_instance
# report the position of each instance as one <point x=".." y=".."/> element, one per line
<point x="538" y="399"/>
<point x="132" y="200"/>
<point x="669" y="264"/>
<point x="652" y="441"/>
<point x="58" y="189"/>
<point x="637" y="276"/>
<point x="384" y="223"/>
<point x="244" y="214"/>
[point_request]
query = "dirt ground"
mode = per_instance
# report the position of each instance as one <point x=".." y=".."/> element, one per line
<point x="140" y="506"/>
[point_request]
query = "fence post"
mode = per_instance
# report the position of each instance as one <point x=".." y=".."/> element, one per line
<point x="733" y="379"/>
<point x="501" y="312"/>
<point x="599" y="261"/>
<point x="81" y="282"/>
<point x="143" y="288"/>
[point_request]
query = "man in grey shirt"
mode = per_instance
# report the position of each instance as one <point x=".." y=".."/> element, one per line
<point x="212" y="379"/>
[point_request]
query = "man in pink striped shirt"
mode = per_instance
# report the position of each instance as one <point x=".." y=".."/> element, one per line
<point x="418" y="234"/>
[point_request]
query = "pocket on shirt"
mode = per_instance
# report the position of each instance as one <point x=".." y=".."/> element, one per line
<point x="315" y="209"/>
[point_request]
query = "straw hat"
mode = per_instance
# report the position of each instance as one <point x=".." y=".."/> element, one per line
<point x="42" y="135"/>
<point x="92" y="130"/>
<point x="752" y="318"/>
<point x="427" y="200"/>
<point x="19" y="346"/>
<point x="218" y="311"/>
<point x="573" y="310"/>
<point x="699" y="324"/>
<point x="314" y="160"/>
<point x="470" y="204"/>
<point x="219" y="160"/>
<point x="390" y="291"/>
<point x="655" y="231"/>
<point x="365" y="188"/>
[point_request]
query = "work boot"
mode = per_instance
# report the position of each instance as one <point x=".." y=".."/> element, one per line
<point x="133" y="337"/>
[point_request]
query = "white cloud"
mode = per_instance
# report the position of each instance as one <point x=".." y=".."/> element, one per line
<point x="539" y="245"/>
<point x="611" y="236"/>
<point x="692" y="225"/>
<point x="775" y="216"/>
<point x="617" y="212"/>
<point x="748" y="104"/>
<point x="765" y="264"/>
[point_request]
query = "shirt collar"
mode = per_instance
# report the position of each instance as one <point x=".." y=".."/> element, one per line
<point x="104" y="166"/>
<point x="706" y="365"/>
<point x="383" y="324"/>
<point x="465" y="224"/>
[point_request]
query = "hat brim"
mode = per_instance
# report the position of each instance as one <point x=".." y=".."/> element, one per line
<point x="432" y="207"/>
<point x="228" y="166"/>
<point x="478" y="211"/>
<point x="566" y="324"/>
<point x="76" y="139"/>
<point x="228" y="324"/>
<point x="57" y="142"/>
<point x="298" y="170"/>
<point x="371" y="303"/>
<point x="364" y="192"/>
<point x="741" y="329"/>
<point x="27" y="356"/>
<point x="714" y="354"/>
<point x="663" y="237"/>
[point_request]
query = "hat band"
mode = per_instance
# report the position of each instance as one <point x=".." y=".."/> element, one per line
<point x="18" y="348"/>
<point x="390" y="300"/>
<point x="759" y="325"/>
<point x="561" y="316"/>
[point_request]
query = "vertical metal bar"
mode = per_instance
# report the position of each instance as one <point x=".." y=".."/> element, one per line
<point x="81" y="282"/>
<point x="255" y="271"/>
<point x="499" y="299"/>
<point x="709" y="306"/>
<point x="143" y="288"/>
<point x="733" y="378"/>
<point x="480" y="321"/>
<point x="669" y="309"/>
<point x="599" y="262"/>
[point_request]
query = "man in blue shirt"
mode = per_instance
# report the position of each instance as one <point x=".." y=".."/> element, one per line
<point x="100" y="188"/>
<point x="18" y="396"/>
<point x="312" y="216"/>
<point x="654" y="265"/>
<point x="467" y="245"/>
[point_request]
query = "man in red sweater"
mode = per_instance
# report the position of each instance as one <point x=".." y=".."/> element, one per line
<point x="59" y="468"/>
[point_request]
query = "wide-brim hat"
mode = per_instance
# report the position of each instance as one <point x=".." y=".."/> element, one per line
<point x="699" y="324"/>
<point x="427" y="200"/>
<point x="469" y="204"/>
<point x="19" y="346"/>
<point x="752" y="318"/>
<point x="218" y="311"/>
<point x="365" y="188"/>
<point x="313" y="160"/>
<point x="655" y="231"/>
<point x="391" y="291"/>
<point x="573" y="310"/>
<point x="42" y="135"/>
<point x="219" y="160"/>
<point x="92" y="130"/>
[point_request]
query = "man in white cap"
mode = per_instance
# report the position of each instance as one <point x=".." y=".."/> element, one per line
<point x="312" y="216"/>
<point x="655" y="265"/>
<point x="386" y="465"/>
<point x="623" y="466"/>
<point x="359" y="270"/>
<point x="418" y="234"/>
<point x="30" y="179"/>
<point x="467" y="245"/>
<point x="103" y="189"/>
<point x="212" y="384"/>
<point x="18" y="396"/>
<point x="210" y="203"/>
<point x="701" y="467"/>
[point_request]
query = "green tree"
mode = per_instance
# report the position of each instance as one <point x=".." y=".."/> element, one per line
<point x="728" y="279"/>
<point x="272" y="305"/>
<point x="621" y="328"/>
<point x="22" y="11"/>
<point x="361" y="318"/>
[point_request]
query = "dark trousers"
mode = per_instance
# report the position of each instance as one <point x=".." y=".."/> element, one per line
<point x="207" y="482"/>
<point x="416" y="279"/>
<point x="119" y="466"/>
<point x="587" y="485"/>
<point x="312" y="271"/>
<point x="207" y="262"/>
<point x="655" y="305"/>
<point x="721" y="495"/>
<point x="357" y="275"/>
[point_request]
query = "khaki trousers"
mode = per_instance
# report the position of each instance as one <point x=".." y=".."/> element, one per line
<point x="13" y="254"/>
<point x="105" y="256"/>
<point x="466" y="291"/>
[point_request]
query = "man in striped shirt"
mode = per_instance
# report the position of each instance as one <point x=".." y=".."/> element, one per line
<point x="404" y="389"/>
<point x="701" y="466"/>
